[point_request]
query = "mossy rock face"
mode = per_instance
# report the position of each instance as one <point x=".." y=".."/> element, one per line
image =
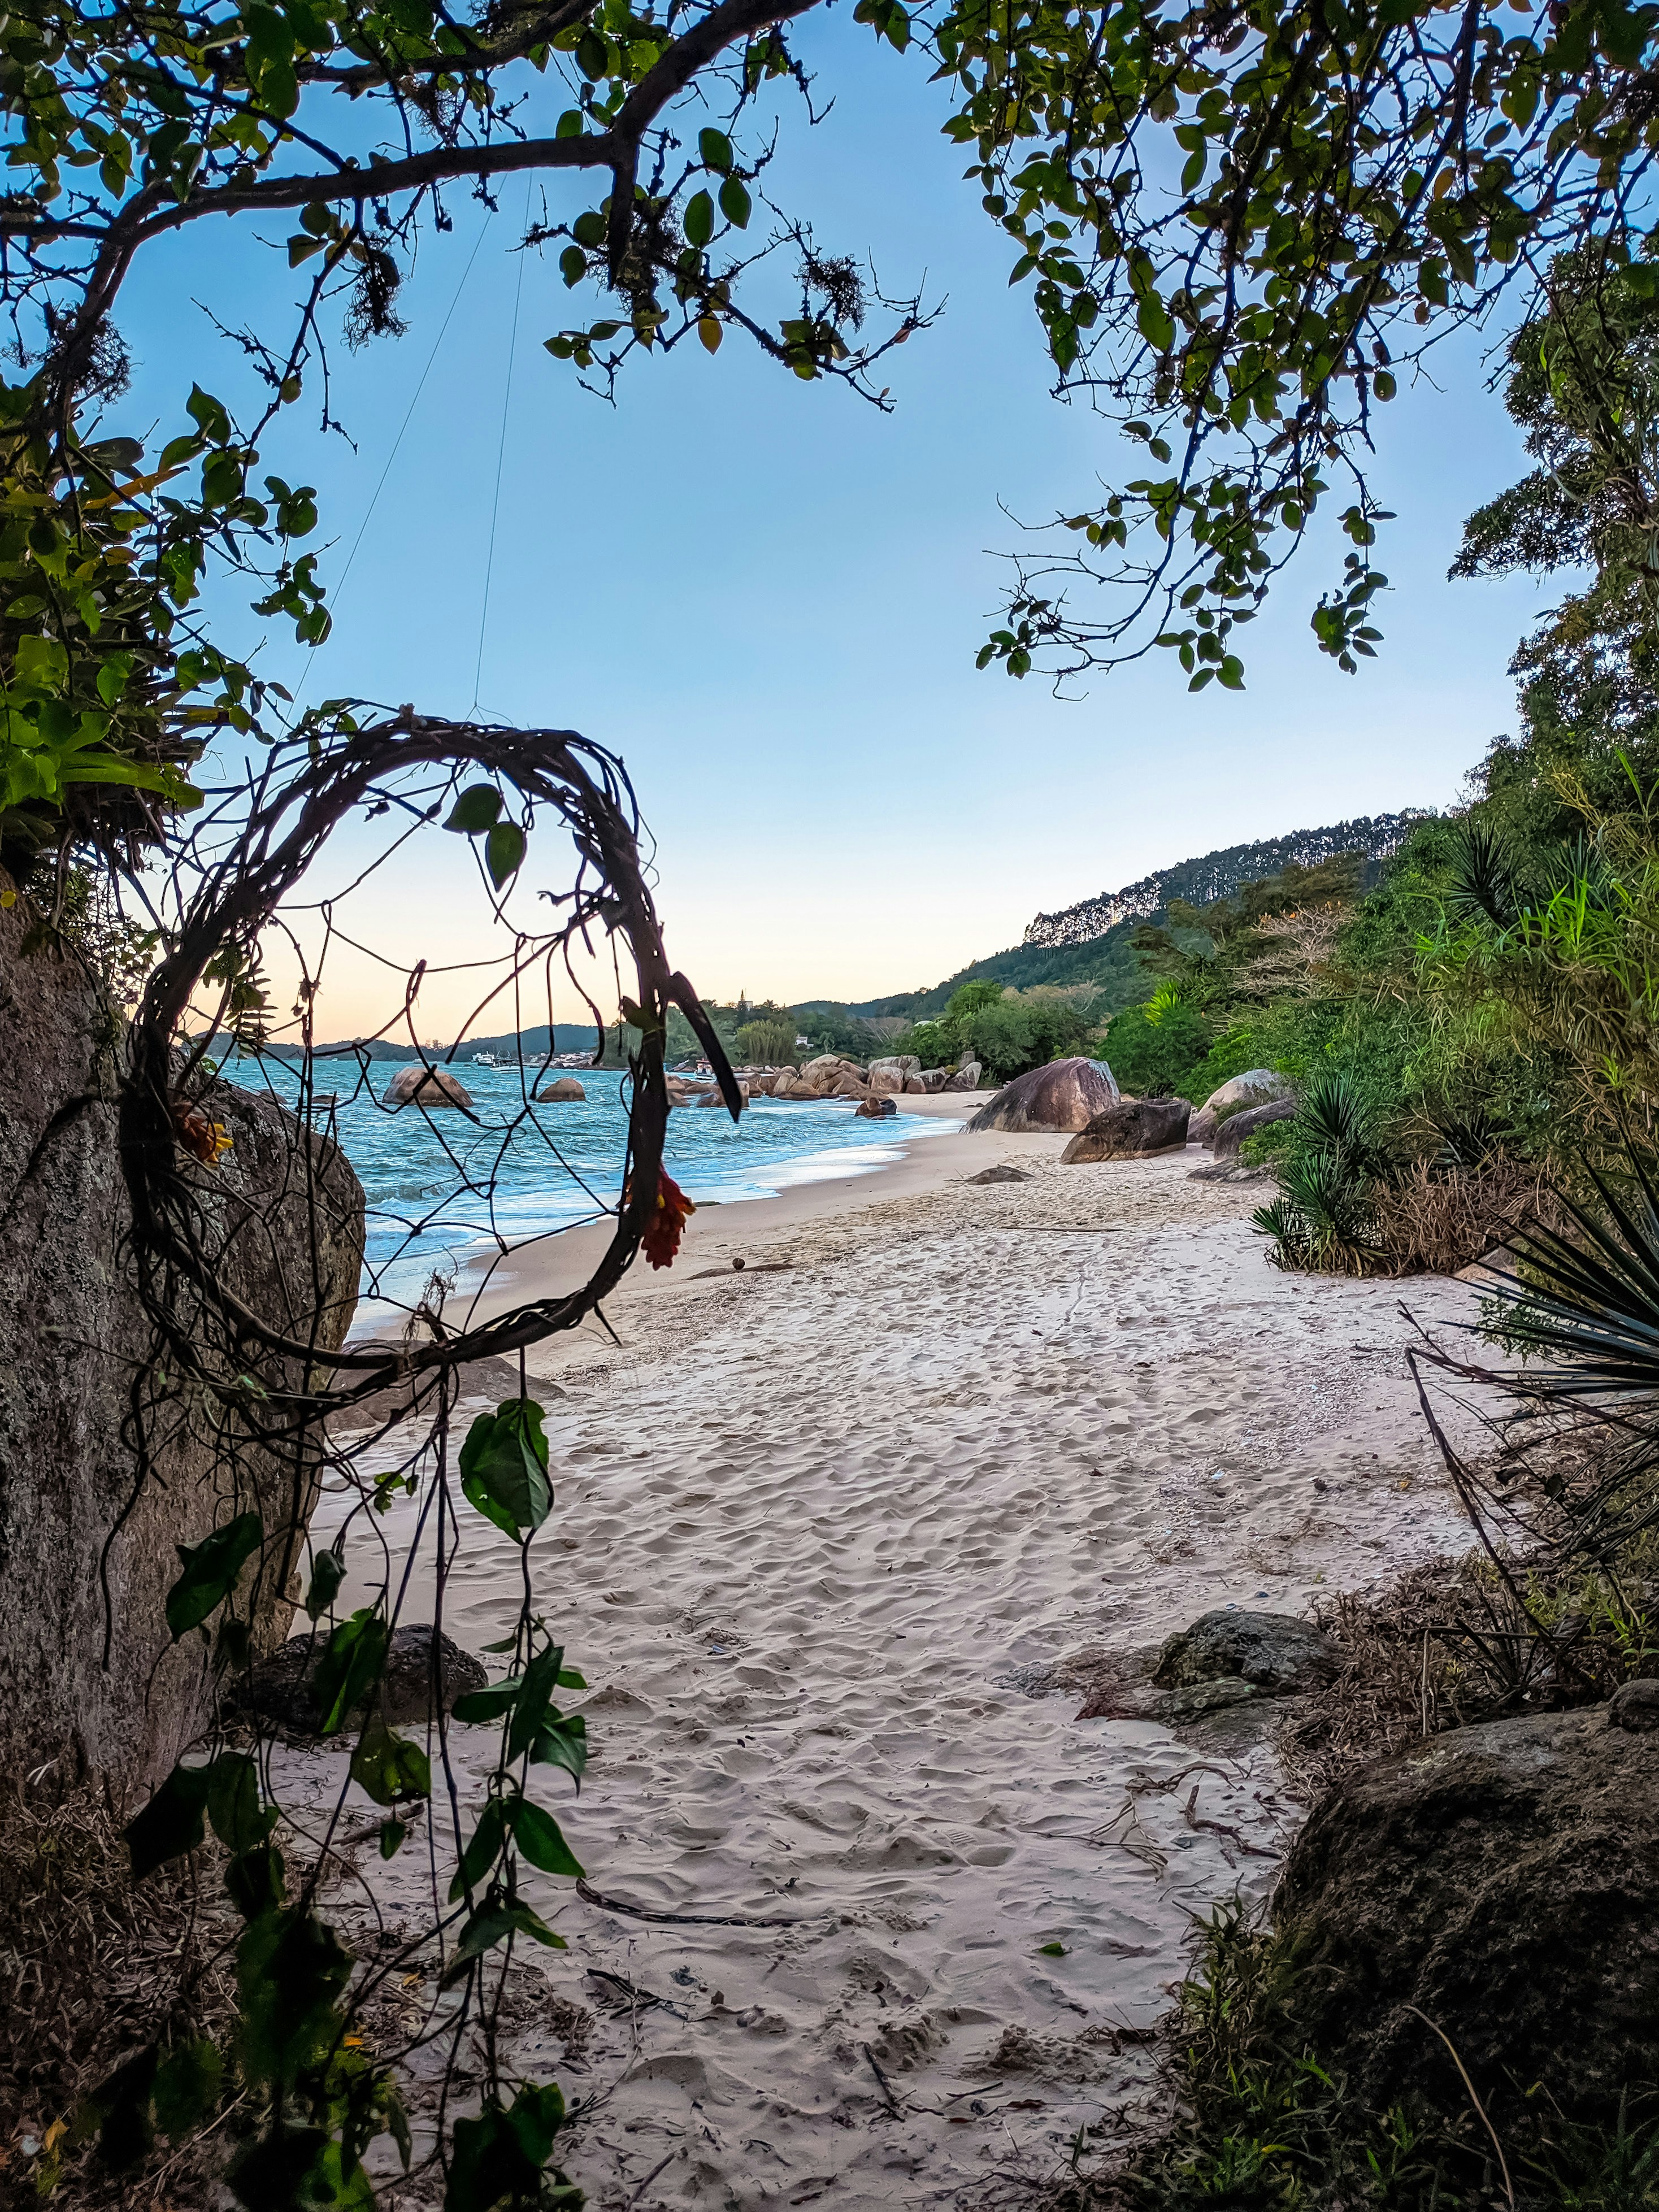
<point x="1503" y="1883"/>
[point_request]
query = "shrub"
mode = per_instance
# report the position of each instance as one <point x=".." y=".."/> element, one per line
<point x="1152" y="1051"/>
<point x="766" y="1044"/>
<point x="1017" y="1033"/>
<point x="1234" y="1053"/>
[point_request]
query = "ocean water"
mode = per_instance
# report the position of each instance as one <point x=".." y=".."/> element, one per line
<point x="445" y="1190"/>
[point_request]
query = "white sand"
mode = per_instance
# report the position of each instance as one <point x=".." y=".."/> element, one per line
<point x="812" y="1524"/>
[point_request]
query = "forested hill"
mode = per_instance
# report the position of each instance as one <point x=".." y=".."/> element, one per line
<point x="1219" y="875"/>
<point x="1090" y="943"/>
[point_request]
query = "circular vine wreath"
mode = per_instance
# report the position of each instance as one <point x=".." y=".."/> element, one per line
<point x="309" y="2096"/>
<point x="589" y="791"/>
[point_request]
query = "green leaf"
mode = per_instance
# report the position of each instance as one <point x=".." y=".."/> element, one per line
<point x="735" y="203"/>
<point x="481" y="1852"/>
<point x="349" y="1668"/>
<point x="504" y="852"/>
<point x="253" y="1882"/>
<point x="327" y="1573"/>
<point x="240" y="1821"/>
<point x="476" y="809"/>
<point x="1051" y="1951"/>
<point x="479" y="1706"/>
<point x="541" y="1839"/>
<point x="715" y="149"/>
<point x="187" y="2085"/>
<point x="391" y="1835"/>
<point x="533" y="1701"/>
<point x="504" y="1467"/>
<point x="172" y="1823"/>
<point x="500" y="2154"/>
<point x="492" y="1925"/>
<point x="564" y="1743"/>
<point x="573" y="265"/>
<point x="211" y="1568"/>
<point x="388" y="1766"/>
<point x="699" y="219"/>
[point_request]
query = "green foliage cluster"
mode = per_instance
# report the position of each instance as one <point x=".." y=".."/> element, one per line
<point x="1264" y="2124"/>
<point x="301" y="2099"/>
<point x="1153" y="1050"/>
<point x="766" y="1043"/>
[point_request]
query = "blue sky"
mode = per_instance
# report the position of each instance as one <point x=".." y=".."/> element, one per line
<point x="766" y="596"/>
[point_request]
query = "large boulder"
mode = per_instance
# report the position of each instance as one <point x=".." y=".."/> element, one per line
<point x="885" y="1081"/>
<point x="566" y="1090"/>
<point x="847" y="1084"/>
<point x="877" y="1107"/>
<point x="965" y="1078"/>
<point x="826" y="1069"/>
<point x="427" y="1087"/>
<point x="1129" y="1131"/>
<point x="1237" y="1127"/>
<point x="1066" y="1094"/>
<point x="1254" y="1089"/>
<point x="281" y="1690"/>
<point x="934" y="1078"/>
<point x="78" y="1525"/>
<point x="1503" y="1882"/>
<point x="898" y="1063"/>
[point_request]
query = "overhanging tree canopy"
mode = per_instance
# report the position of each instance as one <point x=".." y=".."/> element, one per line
<point x="1238" y="223"/>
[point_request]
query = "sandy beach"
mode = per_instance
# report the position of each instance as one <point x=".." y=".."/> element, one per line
<point x="824" y="1528"/>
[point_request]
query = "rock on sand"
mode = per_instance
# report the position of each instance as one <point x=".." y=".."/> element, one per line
<point x="1066" y="1094"/>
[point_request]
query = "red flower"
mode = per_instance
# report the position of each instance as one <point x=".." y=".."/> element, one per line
<point x="664" y="1231"/>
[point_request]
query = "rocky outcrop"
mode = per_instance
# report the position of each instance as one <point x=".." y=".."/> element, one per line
<point x="84" y="1692"/>
<point x="1501" y="1881"/>
<point x="280" y="1691"/>
<point x="1237" y="1127"/>
<point x="965" y="1078"/>
<point x="1254" y="1089"/>
<point x="1129" y="1131"/>
<point x="566" y="1091"/>
<point x="886" y="1081"/>
<point x="877" y="1107"/>
<point x="1066" y="1094"/>
<point x="427" y="1086"/>
<point x="897" y="1063"/>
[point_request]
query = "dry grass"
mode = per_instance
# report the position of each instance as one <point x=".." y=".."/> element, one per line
<point x="91" y="1970"/>
<point x="1435" y="1224"/>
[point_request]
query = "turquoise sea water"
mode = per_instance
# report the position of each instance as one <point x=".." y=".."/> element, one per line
<point x="444" y="1190"/>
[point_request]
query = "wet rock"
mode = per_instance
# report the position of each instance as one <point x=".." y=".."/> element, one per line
<point x="566" y="1091"/>
<point x="1274" y="1652"/>
<point x="282" y="1692"/>
<point x="1003" y="1174"/>
<point x="876" y="1107"/>
<point x="1130" y="1130"/>
<point x="427" y="1086"/>
<point x="1502" y="1881"/>
<point x="1066" y="1094"/>
<point x="1234" y="1130"/>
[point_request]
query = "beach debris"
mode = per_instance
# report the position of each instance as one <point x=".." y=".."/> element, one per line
<point x="1130" y="1130"/>
<point x="281" y="1690"/>
<point x="1001" y="1174"/>
<point x="589" y="1895"/>
<point x="617" y="1994"/>
<point x="1066" y="1094"/>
